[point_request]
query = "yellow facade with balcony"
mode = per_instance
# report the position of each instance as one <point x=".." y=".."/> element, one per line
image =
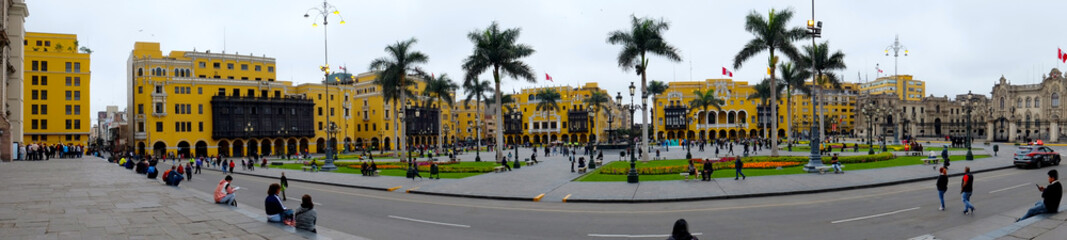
<point x="913" y="88"/>
<point x="839" y="110"/>
<point x="554" y="126"/>
<point x="56" y="91"/>
<point x="737" y="119"/>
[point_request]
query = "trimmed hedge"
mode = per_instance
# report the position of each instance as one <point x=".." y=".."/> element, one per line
<point x="755" y="162"/>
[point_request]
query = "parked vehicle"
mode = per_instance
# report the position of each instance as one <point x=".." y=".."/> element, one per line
<point x="1036" y="156"/>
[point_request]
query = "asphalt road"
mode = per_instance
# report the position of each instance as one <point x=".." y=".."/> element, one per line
<point x="892" y="212"/>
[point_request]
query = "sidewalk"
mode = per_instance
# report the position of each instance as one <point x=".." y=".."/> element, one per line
<point x="1003" y="226"/>
<point x="553" y="179"/>
<point x="89" y="198"/>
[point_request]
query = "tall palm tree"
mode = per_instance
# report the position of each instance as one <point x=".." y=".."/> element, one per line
<point x="497" y="51"/>
<point x="655" y="88"/>
<point x="439" y="90"/>
<point x="393" y="73"/>
<point x="763" y="93"/>
<point x="644" y="36"/>
<point x="771" y="35"/>
<point x="819" y="58"/>
<point x="548" y="100"/>
<point x="794" y="79"/>
<point x="476" y="90"/>
<point x="705" y="99"/>
<point x="596" y="102"/>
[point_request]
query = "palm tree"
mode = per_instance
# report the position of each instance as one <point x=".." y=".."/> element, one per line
<point x="818" y="57"/>
<point x="548" y="100"/>
<point x="771" y="34"/>
<point x="763" y="92"/>
<point x="393" y="72"/>
<point x="655" y="88"/>
<point x="439" y="90"/>
<point x="705" y="99"/>
<point x="596" y="102"/>
<point x="496" y="50"/>
<point x="644" y="36"/>
<point x="794" y="79"/>
<point x="476" y="90"/>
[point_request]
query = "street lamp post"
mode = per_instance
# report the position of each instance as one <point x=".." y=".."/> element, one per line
<point x="688" y="147"/>
<point x="592" y="116"/>
<point x="868" y="111"/>
<point x="815" y="159"/>
<point x="968" y="105"/>
<point x="632" y="176"/>
<point x="896" y="47"/>
<point x="249" y="129"/>
<point x="325" y="12"/>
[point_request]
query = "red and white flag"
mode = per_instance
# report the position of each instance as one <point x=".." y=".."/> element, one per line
<point x="1061" y="56"/>
<point x="549" y="78"/>
<point x="727" y="72"/>
<point x="342" y="68"/>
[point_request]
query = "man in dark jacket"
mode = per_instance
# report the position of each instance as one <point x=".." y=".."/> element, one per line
<point x="942" y="186"/>
<point x="738" y="165"/>
<point x="434" y="171"/>
<point x="1050" y="195"/>
<point x="966" y="189"/>
<point x="707" y="171"/>
<point x="944" y="155"/>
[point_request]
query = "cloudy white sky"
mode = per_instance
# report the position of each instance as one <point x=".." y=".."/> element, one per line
<point x="955" y="46"/>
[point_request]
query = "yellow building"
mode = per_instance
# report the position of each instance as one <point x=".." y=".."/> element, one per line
<point x="56" y="90"/>
<point x="190" y="103"/>
<point x="569" y="123"/>
<point x="737" y="119"/>
<point x="839" y="114"/>
<point x="914" y="89"/>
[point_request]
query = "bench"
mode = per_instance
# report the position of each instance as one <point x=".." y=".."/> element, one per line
<point x="581" y="170"/>
<point x="375" y="173"/>
<point x="276" y="163"/>
<point x="686" y="175"/>
<point x="498" y="169"/>
<point x="915" y="153"/>
<point x="309" y="169"/>
<point x="600" y="162"/>
<point x="828" y="168"/>
<point x="529" y="163"/>
<point x="928" y="161"/>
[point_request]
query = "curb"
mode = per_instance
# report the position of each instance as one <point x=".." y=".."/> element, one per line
<point x="573" y="200"/>
<point x="525" y="199"/>
<point x="307" y="181"/>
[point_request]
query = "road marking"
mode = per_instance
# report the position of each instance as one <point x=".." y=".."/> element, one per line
<point x="636" y="235"/>
<point x="394" y="188"/>
<point x="317" y="203"/>
<point x="1009" y="188"/>
<point x="566" y="197"/>
<point x="874" y="216"/>
<point x="412" y="189"/>
<point x="430" y="222"/>
<point x="538" y="197"/>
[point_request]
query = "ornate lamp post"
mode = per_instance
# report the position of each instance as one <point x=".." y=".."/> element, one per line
<point x="249" y="129"/>
<point x="868" y="111"/>
<point x="688" y="148"/>
<point x="618" y="103"/>
<point x="325" y="12"/>
<point x="815" y="159"/>
<point x="882" y="111"/>
<point x="969" y="105"/>
<point x="896" y="47"/>
<point x="632" y="176"/>
<point x="592" y="115"/>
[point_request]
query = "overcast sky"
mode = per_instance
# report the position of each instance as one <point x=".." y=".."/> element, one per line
<point x="955" y="46"/>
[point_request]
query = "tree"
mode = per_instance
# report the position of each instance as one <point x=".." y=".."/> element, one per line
<point x="794" y="79"/>
<point x="644" y="36"/>
<point x="771" y="34"/>
<point x="476" y="90"/>
<point x="393" y="72"/>
<point x="596" y="101"/>
<point x="705" y="99"/>
<point x="763" y="93"/>
<point x="439" y="90"/>
<point x="548" y="100"/>
<point x="819" y="59"/>
<point x="655" y="88"/>
<point x="497" y="51"/>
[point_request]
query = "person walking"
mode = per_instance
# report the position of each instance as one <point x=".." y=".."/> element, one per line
<point x="199" y="162"/>
<point x="738" y="165"/>
<point x="1050" y="196"/>
<point x="232" y="165"/>
<point x="681" y="231"/>
<point x="966" y="191"/>
<point x="189" y="171"/>
<point x="285" y="184"/>
<point x="942" y="186"/>
<point x="572" y="162"/>
<point x="944" y="155"/>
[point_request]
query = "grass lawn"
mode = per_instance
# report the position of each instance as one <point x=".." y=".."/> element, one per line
<point x="401" y="172"/>
<point x="878" y="149"/>
<point x="726" y="173"/>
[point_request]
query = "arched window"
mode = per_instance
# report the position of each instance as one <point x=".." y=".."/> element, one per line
<point x="1027" y="101"/>
<point x="140" y="72"/>
<point x="1019" y="103"/>
<point x="1037" y="102"/>
<point x="1055" y="99"/>
<point x="1002" y="102"/>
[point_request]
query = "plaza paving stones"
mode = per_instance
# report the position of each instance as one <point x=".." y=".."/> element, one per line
<point x="88" y="198"/>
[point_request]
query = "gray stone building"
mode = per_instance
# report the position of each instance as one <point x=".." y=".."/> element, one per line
<point x="1024" y="112"/>
<point x="931" y="117"/>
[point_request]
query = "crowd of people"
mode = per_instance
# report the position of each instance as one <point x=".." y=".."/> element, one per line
<point x="44" y="151"/>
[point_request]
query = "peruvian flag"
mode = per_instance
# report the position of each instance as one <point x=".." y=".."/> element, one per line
<point x="1061" y="56"/>
<point x="727" y="72"/>
<point x="549" y="78"/>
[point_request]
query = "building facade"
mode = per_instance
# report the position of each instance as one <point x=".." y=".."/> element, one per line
<point x="930" y="117"/>
<point x="56" y="87"/>
<point x="13" y="15"/>
<point x="913" y="88"/>
<point x="1023" y="112"/>
<point x="570" y="122"/>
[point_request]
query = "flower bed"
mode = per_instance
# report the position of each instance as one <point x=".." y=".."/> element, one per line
<point x="756" y="162"/>
<point x="444" y="167"/>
